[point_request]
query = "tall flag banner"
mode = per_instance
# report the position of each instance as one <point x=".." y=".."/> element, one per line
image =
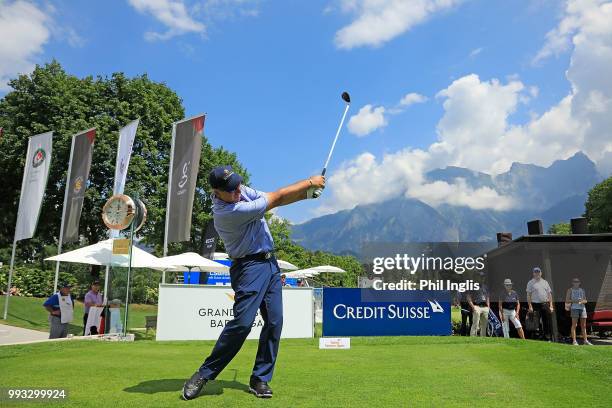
<point x="36" y="172"/>
<point x="209" y="244"/>
<point x="33" y="184"/>
<point x="76" y="183"/>
<point x="184" y="164"/>
<point x="127" y="135"/>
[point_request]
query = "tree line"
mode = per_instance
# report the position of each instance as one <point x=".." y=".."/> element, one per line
<point x="50" y="99"/>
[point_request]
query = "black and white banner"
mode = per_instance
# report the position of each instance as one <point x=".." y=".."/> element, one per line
<point x="76" y="183"/>
<point x="184" y="164"/>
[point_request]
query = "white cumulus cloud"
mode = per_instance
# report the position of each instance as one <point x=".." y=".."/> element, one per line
<point x="24" y="30"/>
<point x="370" y="118"/>
<point x="173" y="14"/>
<point x="412" y="98"/>
<point x="461" y="194"/>
<point x="477" y="129"/>
<point x="367" y="120"/>
<point x="379" y="21"/>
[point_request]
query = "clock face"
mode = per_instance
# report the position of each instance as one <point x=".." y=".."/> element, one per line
<point x="118" y="212"/>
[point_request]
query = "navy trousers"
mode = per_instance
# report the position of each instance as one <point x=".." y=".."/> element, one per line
<point x="257" y="286"/>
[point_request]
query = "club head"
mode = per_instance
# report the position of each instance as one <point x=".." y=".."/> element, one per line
<point x="346" y="97"/>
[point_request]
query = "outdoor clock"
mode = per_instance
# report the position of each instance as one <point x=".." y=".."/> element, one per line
<point x="141" y="214"/>
<point x="119" y="212"/>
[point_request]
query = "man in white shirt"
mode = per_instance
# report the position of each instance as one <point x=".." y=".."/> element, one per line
<point x="539" y="298"/>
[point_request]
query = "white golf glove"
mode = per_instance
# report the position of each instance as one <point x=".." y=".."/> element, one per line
<point x="313" y="192"/>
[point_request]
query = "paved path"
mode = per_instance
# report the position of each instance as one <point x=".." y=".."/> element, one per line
<point x="12" y="334"/>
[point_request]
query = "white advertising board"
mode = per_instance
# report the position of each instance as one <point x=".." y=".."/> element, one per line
<point x="199" y="312"/>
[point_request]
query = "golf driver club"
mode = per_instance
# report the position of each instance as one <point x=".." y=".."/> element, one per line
<point x="347" y="98"/>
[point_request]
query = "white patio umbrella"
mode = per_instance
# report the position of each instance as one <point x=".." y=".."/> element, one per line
<point x="310" y="272"/>
<point x="102" y="254"/>
<point x="191" y="260"/>
<point x="302" y="273"/>
<point x="220" y="256"/>
<point x="327" y="269"/>
<point x="287" y="266"/>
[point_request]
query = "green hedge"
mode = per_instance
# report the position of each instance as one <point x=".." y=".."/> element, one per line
<point x="36" y="282"/>
<point x="32" y="281"/>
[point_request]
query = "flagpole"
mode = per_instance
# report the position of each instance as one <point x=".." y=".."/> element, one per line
<point x="118" y="189"/>
<point x="10" y="278"/>
<point x="129" y="272"/>
<point x="61" y="234"/>
<point x="165" y="252"/>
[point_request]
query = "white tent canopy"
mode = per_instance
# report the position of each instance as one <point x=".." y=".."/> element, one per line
<point x="191" y="261"/>
<point x="302" y="273"/>
<point x="102" y="254"/>
<point x="219" y="256"/>
<point x="287" y="266"/>
<point x="327" y="269"/>
<point x="310" y="272"/>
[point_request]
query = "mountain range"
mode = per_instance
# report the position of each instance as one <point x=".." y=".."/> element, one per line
<point x="553" y="194"/>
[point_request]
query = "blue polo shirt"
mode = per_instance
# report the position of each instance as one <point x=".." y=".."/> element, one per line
<point x="53" y="301"/>
<point x="242" y="225"/>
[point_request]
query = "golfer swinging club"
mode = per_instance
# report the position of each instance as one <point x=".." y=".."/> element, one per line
<point x="238" y="213"/>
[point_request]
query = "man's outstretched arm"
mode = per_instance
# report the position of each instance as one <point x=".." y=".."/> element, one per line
<point x="294" y="192"/>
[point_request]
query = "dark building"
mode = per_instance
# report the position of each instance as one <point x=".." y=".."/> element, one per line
<point x="561" y="258"/>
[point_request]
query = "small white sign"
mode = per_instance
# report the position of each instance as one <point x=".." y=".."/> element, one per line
<point x="334" y="343"/>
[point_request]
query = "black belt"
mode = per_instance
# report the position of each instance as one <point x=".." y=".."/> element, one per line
<point x="260" y="256"/>
<point x="481" y="304"/>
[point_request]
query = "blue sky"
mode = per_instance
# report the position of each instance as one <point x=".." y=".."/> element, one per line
<point x="270" y="73"/>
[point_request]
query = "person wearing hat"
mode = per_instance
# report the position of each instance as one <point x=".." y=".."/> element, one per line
<point x="238" y="214"/>
<point x="92" y="298"/>
<point x="539" y="299"/>
<point x="509" y="307"/>
<point x="575" y="301"/>
<point x="60" y="306"/>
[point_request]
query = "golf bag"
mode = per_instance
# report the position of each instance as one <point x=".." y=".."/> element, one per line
<point x="494" y="328"/>
<point x="532" y="322"/>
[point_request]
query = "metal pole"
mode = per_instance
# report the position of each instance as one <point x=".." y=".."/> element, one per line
<point x="165" y="252"/>
<point x="10" y="278"/>
<point x="61" y="234"/>
<point x="127" y="286"/>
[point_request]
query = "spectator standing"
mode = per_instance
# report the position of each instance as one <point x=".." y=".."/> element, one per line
<point x="92" y="298"/>
<point x="575" y="298"/>
<point x="509" y="307"/>
<point x="466" y="313"/>
<point x="480" y="304"/>
<point x="60" y="306"/>
<point x="539" y="299"/>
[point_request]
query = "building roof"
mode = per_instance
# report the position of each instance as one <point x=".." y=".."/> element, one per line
<point x="566" y="238"/>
